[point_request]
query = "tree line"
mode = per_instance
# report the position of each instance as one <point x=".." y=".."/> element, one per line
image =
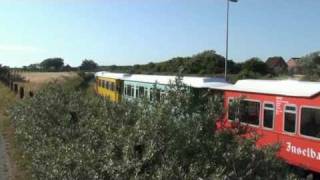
<point x="57" y="64"/>
<point x="209" y="63"/>
<point x="205" y="63"/>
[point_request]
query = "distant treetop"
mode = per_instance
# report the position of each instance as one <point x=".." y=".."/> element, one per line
<point x="88" y="65"/>
<point x="52" y="64"/>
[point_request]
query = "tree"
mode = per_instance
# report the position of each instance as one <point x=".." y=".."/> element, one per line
<point x="67" y="68"/>
<point x="316" y="60"/>
<point x="311" y="66"/>
<point x="52" y="64"/>
<point x="88" y="65"/>
<point x="4" y="73"/>
<point x="255" y="65"/>
<point x="277" y="65"/>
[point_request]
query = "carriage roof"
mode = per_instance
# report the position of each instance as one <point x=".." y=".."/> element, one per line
<point x="292" y="88"/>
<point x="197" y="82"/>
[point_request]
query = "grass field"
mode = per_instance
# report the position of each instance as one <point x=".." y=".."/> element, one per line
<point x="34" y="80"/>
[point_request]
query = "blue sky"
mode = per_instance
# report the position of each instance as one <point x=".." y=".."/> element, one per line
<point x="140" y="31"/>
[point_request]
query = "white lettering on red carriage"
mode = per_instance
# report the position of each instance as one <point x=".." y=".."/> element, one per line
<point x="279" y="104"/>
<point x="306" y="152"/>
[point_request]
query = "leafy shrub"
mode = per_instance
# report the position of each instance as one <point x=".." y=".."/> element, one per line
<point x="71" y="136"/>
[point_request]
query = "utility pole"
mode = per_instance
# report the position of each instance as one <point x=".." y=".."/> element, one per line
<point x="227" y="39"/>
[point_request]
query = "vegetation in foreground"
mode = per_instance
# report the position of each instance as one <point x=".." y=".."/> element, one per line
<point x="17" y="169"/>
<point x="71" y="135"/>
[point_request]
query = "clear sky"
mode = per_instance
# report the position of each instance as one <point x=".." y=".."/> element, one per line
<point x="140" y="31"/>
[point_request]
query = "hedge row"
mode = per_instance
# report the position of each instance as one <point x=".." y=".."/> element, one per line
<point x="69" y="135"/>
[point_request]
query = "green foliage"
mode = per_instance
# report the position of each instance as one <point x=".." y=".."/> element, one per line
<point x="253" y="68"/>
<point x="204" y="63"/>
<point x="32" y="67"/>
<point x="52" y="64"/>
<point x="247" y="74"/>
<point x="255" y="65"/>
<point x="69" y="135"/>
<point x="4" y="73"/>
<point x="277" y="65"/>
<point x="85" y="79"/>
<point x="88" y="65"/>
<point x="311" y="66"/>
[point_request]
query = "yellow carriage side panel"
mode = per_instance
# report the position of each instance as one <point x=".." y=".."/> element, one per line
<point x="109" y="88"/>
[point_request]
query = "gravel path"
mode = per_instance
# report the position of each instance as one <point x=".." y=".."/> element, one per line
<point x="3" y="164"/>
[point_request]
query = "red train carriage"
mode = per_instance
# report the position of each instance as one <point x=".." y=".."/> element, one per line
<point x="282" y="111"/>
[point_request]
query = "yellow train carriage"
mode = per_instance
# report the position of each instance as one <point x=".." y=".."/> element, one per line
<point x="109" y="88"/>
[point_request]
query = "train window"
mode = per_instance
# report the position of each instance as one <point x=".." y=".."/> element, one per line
<point x="151" y="94"/>
<point x="310" y="122"/>
<point x="231" y="110"/>
<point x="111" y="86"/>
<point x="140" y="91"/>
<point x="155" y="95"/>
<point x="130" y="90"/>
<point x="290" y="115"/>
<point x="103" y="83"/>
<point x="158" y="96"/>
<point x="107" y="85"/>
<point x="268" y="115"/>
<point x="249" y="112"/>
<point x="125" y="90"/>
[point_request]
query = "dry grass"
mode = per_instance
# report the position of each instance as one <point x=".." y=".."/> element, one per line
<point x="35" y="80"/>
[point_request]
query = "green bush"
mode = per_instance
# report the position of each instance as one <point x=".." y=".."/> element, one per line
<point x="71" y="136"/>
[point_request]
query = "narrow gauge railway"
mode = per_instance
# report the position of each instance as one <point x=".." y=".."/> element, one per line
<point x="285" y="112"/>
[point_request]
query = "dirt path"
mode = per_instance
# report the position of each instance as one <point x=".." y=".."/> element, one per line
<point x="3" y="160"/>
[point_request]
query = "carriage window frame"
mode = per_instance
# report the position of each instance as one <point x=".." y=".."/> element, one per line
<point x="300" y="120"/>
<point x="296" y="119"/>
<point x="259" y="116"/>
<point x="273" y="114"/>
<point x="129" y="91"/>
